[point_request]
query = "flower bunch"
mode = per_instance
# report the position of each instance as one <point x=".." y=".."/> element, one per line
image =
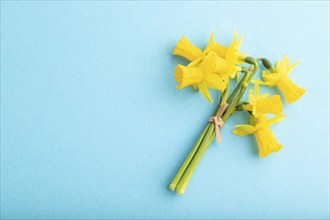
<point x="212" y="68"/>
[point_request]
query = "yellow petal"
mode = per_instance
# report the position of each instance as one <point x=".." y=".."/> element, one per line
<point x="178" y="73"/>
<point x="290" y="90"/>
<point x="264" y="122"/>
<point x="221" y="66"/>
<point x="243" y="130"/>
<point x="185" y="49"/>
<point x="205" y="92"/>
<point x="248" y="107"/>
<point x="256" y="88"/>
<point x="267" y="142"/>
<point x="232" y="53"/>
<point x="279" y="66"/>
<point x="285" y="64"/>
<point x="291" y="68"/>
<point x="239" y="42"/>
<point x="216" y="81"/>
<point x="224" y="67"/>
<point x="252" y="98"/>
<point x="187" y="75"/>
<point x="211" y="44"/>
<point x="195" y="62"/>
<point x="271" y="105"/>
<point x="270" y="79"/>
<point x="233" y="70"/>
<point x="209" y="63"/>
<point x="220" y="50"/>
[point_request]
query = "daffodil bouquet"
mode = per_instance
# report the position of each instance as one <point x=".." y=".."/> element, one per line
<point x="212" y="68"/>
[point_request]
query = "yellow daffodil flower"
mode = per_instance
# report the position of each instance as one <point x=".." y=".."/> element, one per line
<point x="266" y="140"/>
<point x="207" y="69"/>
<point x="280" y="78"/>
<point x="187" y="50"/>
<point x="228" y="64"/>
<point x="221" y="50"/>
<point x="202" y="75"/>
<point x="262" y="104"/>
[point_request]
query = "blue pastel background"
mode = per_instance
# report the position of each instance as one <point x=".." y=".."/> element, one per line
<point x="93" y="127"/>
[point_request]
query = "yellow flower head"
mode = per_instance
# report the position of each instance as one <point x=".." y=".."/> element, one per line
<point x="207" y="69"/>
<point x="221" y="50"/>
<point x="266" y="140"/>
<point x="202" y="75"/>
<point x="228" y="64"/>
<point x="279" y="78"/>
<point x="262" y="104"/>
<point x="187" y="50"/>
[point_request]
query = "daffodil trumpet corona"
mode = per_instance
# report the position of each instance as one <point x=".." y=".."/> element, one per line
<point x="215" y="67"/>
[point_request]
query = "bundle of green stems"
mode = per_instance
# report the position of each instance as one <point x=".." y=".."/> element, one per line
<point x="182" y="177"/>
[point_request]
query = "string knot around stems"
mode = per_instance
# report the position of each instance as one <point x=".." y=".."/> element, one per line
<point x="218" y="122"/>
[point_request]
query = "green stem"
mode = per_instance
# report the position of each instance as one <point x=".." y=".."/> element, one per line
<point x="191" y="154"/>
<point x="195" y="158"/>
<point x="186" y="162"/>
<point x="253" y="72"/>
<point x="209" y="137"/>
<point x="237" y="88"/>
<point x="181" y="187"/>
<point x="225" y="94"/>
<point x="244" y="85"/>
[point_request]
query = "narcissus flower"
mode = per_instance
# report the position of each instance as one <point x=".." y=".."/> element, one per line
<point x="201" y="74"/>
<point x="262" y="104"/>
<point x="187" y="50"/>
<point x="221" y="50"/>
<point x="266" y="140"/>
<point x="228" y="64"/>
<point x="280" y="78"/>
<point x="211" y="67"/>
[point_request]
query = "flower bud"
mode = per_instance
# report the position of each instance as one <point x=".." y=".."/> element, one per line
<point x="250" y="60"/>
<point x="267" y="64"/>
